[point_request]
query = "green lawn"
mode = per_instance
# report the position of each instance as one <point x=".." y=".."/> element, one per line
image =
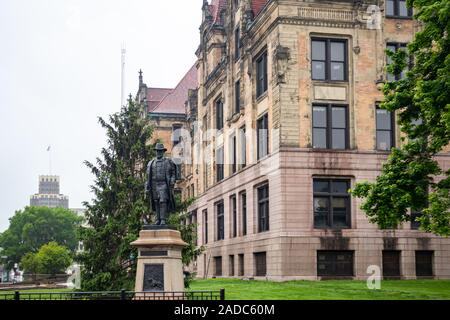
<point x="36" y="290"/>
<point x="327" y="290"/>
<point x="316" y="290"/>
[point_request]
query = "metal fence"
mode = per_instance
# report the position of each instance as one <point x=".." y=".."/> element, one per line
<point x="115" y="295"/>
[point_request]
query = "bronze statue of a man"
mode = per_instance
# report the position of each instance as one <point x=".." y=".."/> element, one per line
<point x="161" y="177"/>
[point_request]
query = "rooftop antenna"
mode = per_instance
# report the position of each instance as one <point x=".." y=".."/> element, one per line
<point x="124" y="52"/>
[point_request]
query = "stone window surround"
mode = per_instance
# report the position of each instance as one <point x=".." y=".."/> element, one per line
<point x="420" y="263"/>
<point x="260" y="56"/>
<point x="260" y="263"/>
<point x="396" y="14"/>
<point x="333" y="263"/>
<point x="351" y="218"/>
<point x="393" y="129"/>
<point x="205" y="225"/>
<point x="328" y="39"/>
<point x="220" y="234"/>
<point x="260" y="156"/>
<point x="243" y="217"/>
<point x="234" y="217"/>
<point x="398" y="46"/>
<point x="220" y="167"/>
<point x="220" y="119"/>
<point x="258" y="228"/>
<point x="329" y="127"/>
<point x="237" y="43"/>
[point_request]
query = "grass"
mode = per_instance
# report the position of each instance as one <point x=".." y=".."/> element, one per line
<point x="314" y="290"/>
<point x="36" y="290"/>
<point x="327" y="290"/>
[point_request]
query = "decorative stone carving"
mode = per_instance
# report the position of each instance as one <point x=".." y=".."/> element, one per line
<point x="326" y="14"/>
<point x="282" y="56"/>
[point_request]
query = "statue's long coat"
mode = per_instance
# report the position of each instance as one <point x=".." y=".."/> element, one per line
<point x="171" y="174"/>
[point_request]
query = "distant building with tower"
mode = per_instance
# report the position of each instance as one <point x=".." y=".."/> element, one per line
<point x="49" y="194"/>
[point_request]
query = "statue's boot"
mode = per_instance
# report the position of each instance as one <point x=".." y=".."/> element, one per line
<point x="163" y="213"/>
<point x="158" y="214"/>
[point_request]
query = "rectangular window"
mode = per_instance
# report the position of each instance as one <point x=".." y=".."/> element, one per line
<point x="263" y="136"/>
<point x="241" y="265"/>
<point x="219" y="114"/>
<point x="243" y="148"/>
<point x="237" y="43"/>
<point x="391" y="264"/>
<point x="205" y="226"/>
<point x="195" y="222"/>
<point x="176" y="134"/>
<point x="398" y="8"/>
<point x="415" y="225"/>
<point x="231" y="267"/>
<point x="394" y="47"/>
<point x="220" y="221"/>
<point x="237" y="97"/>
<point x="332" y="204"/>
<point x="335" y="263"/>
<point x="244" y="213"/>
<point x="330" y="127"/>
<point x="261" y="75"/>
<point x="220" y="164"/>
<point x="263" y="208"/>
<point x="424" y="263"/>
<point x="329" y="59"/>
<point x="233" y="154"/>
<point x="233" y="206"/>
<point x="218" y="266"/>
<point x="205" y="124"/>
<point x="385" y="129"/>
<point x="260" y="264"/>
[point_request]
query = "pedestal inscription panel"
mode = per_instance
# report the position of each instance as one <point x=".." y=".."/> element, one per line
<point x="153" y="278"/>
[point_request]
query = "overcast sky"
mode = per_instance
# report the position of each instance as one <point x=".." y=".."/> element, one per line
<point x="60" y="69"/>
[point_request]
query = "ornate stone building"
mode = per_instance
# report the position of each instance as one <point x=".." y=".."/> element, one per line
<point x="166" y="107"/>
<point x="292" y="88"/>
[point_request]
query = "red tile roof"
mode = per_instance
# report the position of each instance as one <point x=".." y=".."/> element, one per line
<point x="174" y="101"/>
<point x="216" y="7"/>
<point x="258" y="5"/>
<point x="155" y="96"/>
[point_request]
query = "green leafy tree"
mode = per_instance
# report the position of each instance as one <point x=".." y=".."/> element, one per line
<point x="412" y="178"/>
<point x="53" y="259"/>
<point x="115" y="215"/>
<point x="50" y="259"/>
<point x="30" y="264"/>
<point x="33" y="227"/>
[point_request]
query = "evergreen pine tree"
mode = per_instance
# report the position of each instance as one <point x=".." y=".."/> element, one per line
<point x="116" y="213"/>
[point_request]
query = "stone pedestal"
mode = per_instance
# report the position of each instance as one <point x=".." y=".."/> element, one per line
<point x="159" y="266"/>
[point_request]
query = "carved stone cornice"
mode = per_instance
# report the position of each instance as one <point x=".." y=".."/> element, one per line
<point x="316" y="22"/>
<point x="326" y="14"/>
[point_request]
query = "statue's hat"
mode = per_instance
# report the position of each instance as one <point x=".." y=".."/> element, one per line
<point x="160" y="147"/>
